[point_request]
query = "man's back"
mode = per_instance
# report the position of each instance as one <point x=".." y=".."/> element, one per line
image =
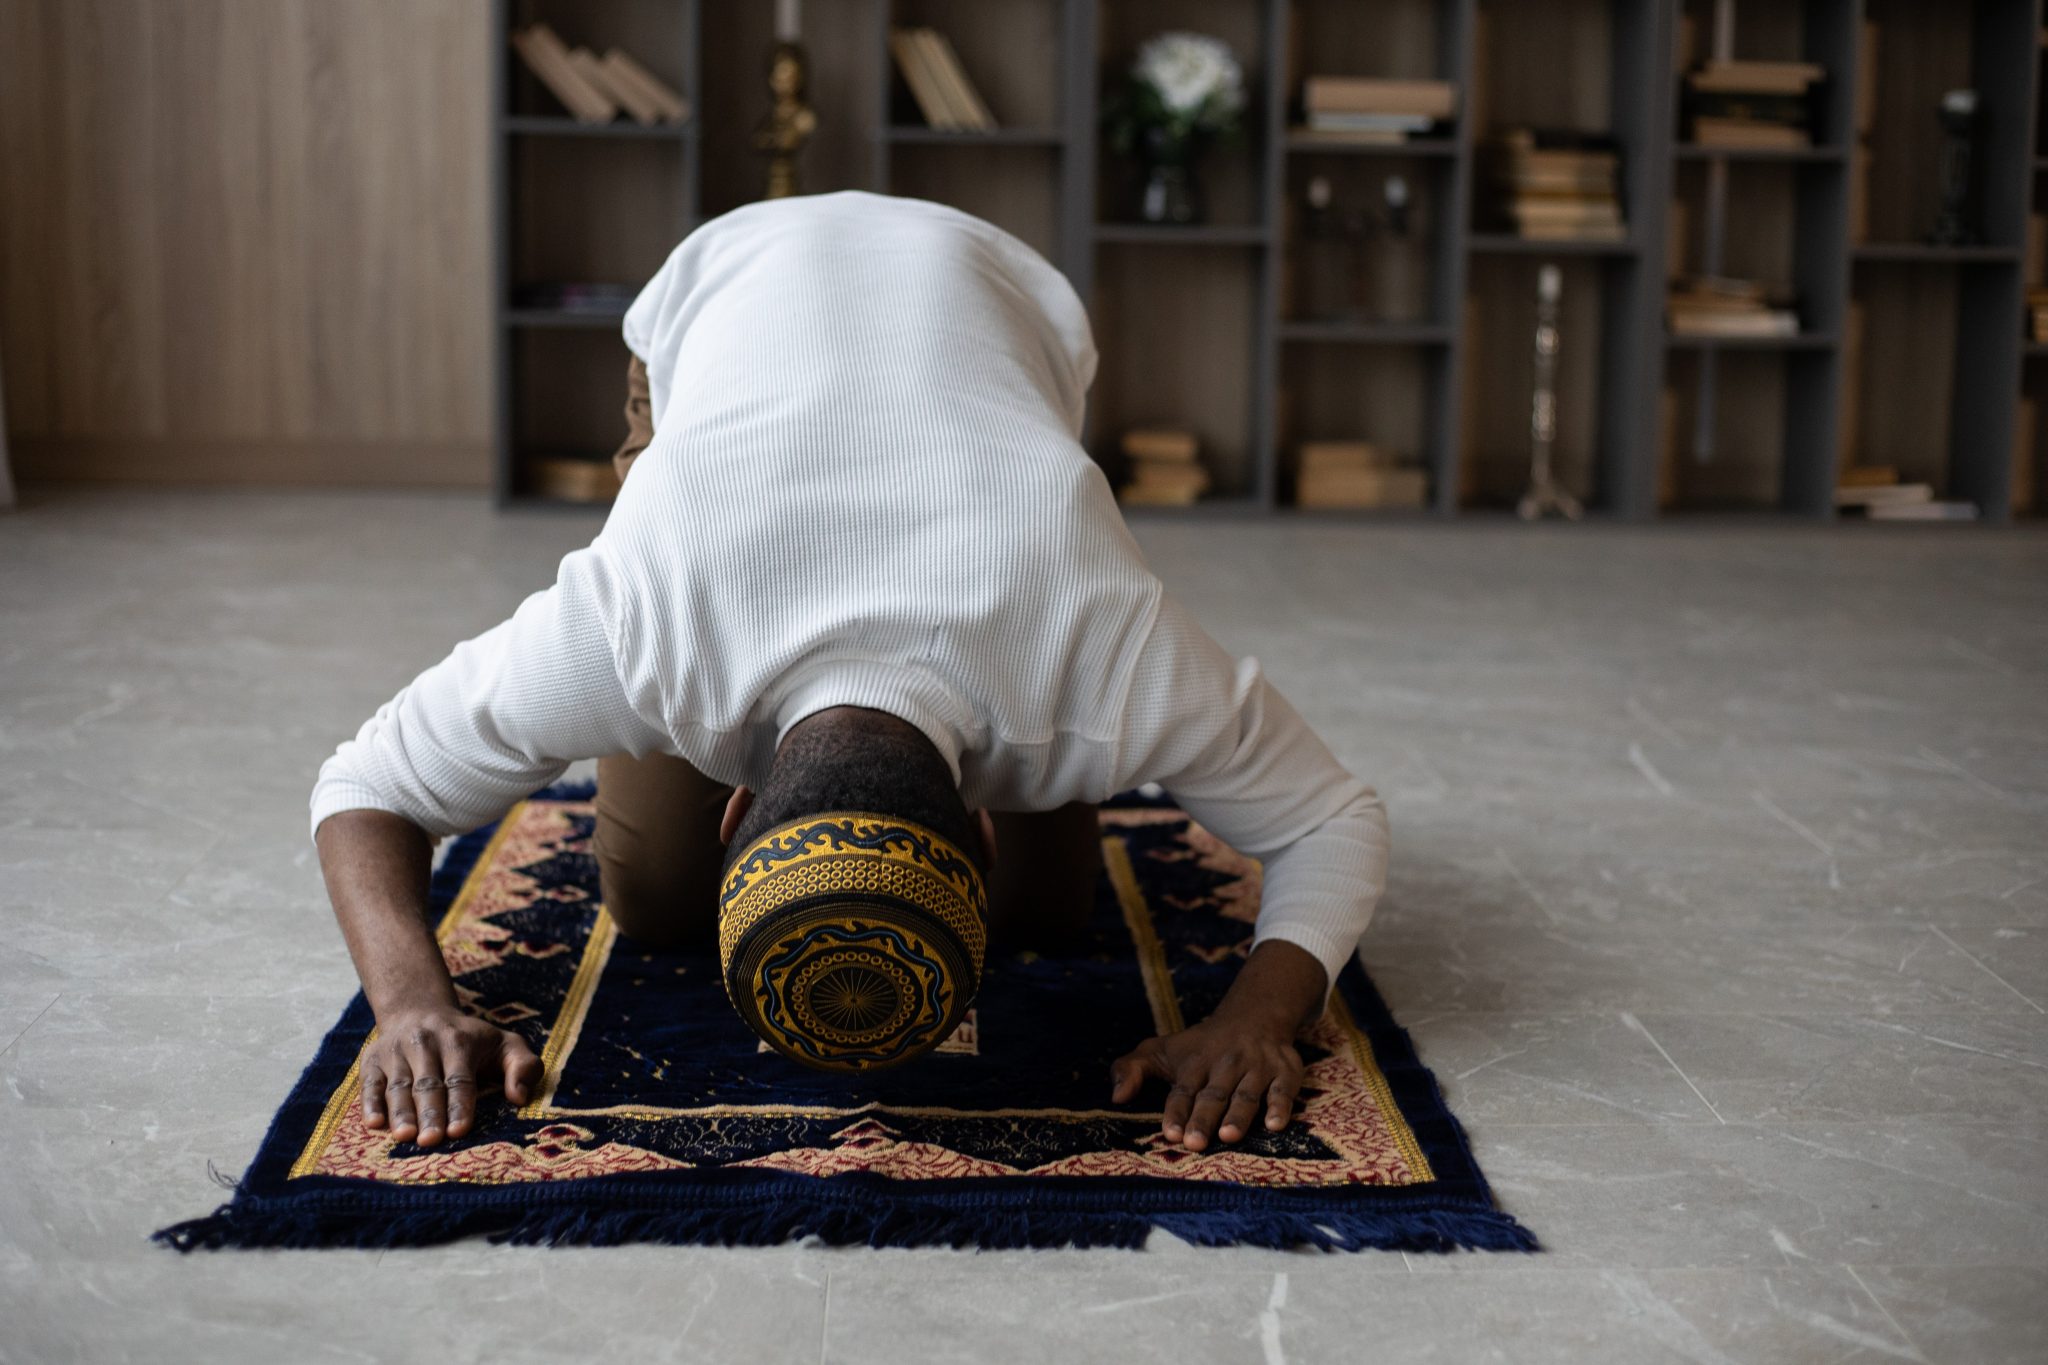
<point x="865" y="479"/>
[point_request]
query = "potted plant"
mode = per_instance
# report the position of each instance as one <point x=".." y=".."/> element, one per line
<point x="1183" y="92"/>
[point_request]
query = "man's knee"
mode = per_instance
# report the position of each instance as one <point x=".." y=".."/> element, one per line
<point x="663" y="908"/>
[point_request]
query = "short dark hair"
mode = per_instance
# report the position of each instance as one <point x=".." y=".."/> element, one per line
<point x="863" y="760"/>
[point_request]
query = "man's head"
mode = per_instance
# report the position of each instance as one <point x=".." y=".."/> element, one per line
<point x="852" y="912"/>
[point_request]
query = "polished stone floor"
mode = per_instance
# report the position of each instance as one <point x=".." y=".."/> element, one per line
<point x="1720" y="907"/>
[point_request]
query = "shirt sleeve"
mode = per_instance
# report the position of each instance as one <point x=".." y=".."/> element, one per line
<point x="1240" y="759"/>
<point x="503" y="714"/>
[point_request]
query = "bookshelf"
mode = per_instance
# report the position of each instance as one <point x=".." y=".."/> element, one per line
<point x="579" y="203"/>
<point x="1907" y="353"/>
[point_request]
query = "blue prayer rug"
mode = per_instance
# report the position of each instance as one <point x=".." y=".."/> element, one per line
<point x="661" y="1118"/>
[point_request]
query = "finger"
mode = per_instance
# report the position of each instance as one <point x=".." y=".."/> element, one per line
<point x="522" y="1069"/>
<point x="1245" y="1102"/>
<point x="1128" y="1073"/>
<point x="1210" y="1101"/>
<point x="405" y="1123"/>
<point x="1280" y="1099"/>
<point x="1180" y="1099"/>
<point x="459" y="1081"/>
<point x="373" y="1095"/>
<point x="429" y="1096"/>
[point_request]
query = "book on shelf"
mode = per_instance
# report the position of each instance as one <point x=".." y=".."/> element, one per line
<point x="594" y="74"/>
<point x="1760" y="78"/>
<point x="1714" y="306"/>
<point x="1874" y="491"/>
<point x="2037" y="314"/>
<point x="1554" y="185"/>
<point x="937" y="82"/>
<point x="1168" y="444"/>
<point x="1355" y="474"/>
<point x="1932" y="510"/>
<point x="1867" y="476"/>
<point x="572" y="478"/>
<point x="1164" y="468"/>
<point x="1433" y="100"/>
<point x="1397" y="486"/>
<point x="623" y="71"/>
<point x="1739" y="134"/>
<point x="551" y="62"/>
<point x="1407" y="124"/>
<point x="1752" y="105"/>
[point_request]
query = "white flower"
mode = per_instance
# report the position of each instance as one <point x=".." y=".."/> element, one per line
<point x="1190" y="70"/>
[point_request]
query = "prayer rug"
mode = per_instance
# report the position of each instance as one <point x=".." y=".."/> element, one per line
<point x="662" y="1118"/>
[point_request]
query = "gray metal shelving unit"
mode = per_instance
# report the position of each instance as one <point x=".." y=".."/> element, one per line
<point x="1636" y="356"/>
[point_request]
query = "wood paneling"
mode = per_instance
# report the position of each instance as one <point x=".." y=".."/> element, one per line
<point x="246" y="240"/>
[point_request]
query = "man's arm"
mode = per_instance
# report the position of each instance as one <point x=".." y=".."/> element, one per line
<point x="1244" y="764"/>
<point x="423" y="1072"/>
<point x="502" y="715"/>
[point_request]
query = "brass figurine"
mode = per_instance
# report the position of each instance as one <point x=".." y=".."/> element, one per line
<point x="790" y="121"/>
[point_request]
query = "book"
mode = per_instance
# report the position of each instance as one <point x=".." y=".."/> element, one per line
<point x="1398" y="123"/>
<point x="1400" y="486"/>
<point x="623" y="69"/>
<point x="594" y="74"/>
<point x="548" y="59"/>
<point x="1867" y="476"/>
<point x="573" y="478"/>
<point x="1365" y="95"/>
<point x="1795" y="110"/>
<point x="914" y="64"/>
<point x="1164" y="483"/>
<point x="1351" y="137"/>
<point x="1767" y="322"/>
<point x="1781" y="78"/>
<point x="1749" y="134"/>
<point x="1886" y="494"/>
<point x="1922" y="511"/>
<point x="1160" y="443"/>
<point x="960" y="92"/>
<point x="1319" y="457"/>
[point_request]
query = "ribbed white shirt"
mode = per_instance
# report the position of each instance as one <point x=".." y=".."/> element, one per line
<point x="866" y="489"/>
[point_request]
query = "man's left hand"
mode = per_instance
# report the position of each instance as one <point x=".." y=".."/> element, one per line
<point x="1221" y="1073"/>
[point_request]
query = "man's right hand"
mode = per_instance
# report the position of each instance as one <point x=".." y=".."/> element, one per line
<point x="425" y="1068"/>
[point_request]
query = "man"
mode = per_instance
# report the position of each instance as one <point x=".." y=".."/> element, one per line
<point x="862" y="566"/>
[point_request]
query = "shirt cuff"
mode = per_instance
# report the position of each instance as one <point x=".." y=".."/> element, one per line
<point x="335" y="795"/>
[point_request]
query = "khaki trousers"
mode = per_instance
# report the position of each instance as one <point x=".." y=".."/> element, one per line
<point x="659" y="855"/>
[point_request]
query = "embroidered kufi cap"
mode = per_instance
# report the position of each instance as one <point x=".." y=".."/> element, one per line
<point x="852" y="941"/>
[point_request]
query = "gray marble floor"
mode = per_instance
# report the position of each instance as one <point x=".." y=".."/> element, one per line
<point x="1720" y="907"/>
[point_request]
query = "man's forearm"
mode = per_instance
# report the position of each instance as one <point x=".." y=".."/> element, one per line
<point x="1281" y="986"/>
<point x="377" y="867"/>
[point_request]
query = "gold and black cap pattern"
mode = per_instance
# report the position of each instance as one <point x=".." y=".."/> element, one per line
<point x="852" y="941"/>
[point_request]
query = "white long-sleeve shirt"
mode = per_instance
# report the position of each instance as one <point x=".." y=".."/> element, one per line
<point x="866" y="489"/>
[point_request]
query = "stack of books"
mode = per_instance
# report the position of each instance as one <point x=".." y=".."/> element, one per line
<point x="1358" y="109"/>
<point x="572" y="478"/>
<point x="1712" y="306"/>
<point x="596" y="89"/>
<point x="2037" y="314"/>
<point x="1355" y="474"/>
<point x="1752" y="104"/>
<point x="1165" y="468"/>
<point x="1876" y="493"/>
<point x="937" y="82"/>
<point x="1555" y="186"/>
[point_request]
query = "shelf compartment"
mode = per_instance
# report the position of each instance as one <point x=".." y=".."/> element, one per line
<point x="564" y="317"/>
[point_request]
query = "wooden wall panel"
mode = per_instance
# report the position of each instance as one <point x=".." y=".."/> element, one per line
<point x="246" y="240"/>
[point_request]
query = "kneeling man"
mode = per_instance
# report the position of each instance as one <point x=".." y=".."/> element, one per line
<point x="864" y="629"/>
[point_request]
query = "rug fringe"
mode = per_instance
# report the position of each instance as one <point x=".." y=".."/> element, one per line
<point x="877" y="1223"/>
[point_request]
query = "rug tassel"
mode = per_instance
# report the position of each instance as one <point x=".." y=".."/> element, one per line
<point x="882" y="1223"/>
